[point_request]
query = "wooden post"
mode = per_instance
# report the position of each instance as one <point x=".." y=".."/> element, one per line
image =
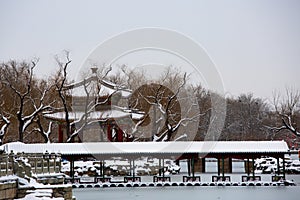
<point x="253" y="169"/>
<point x="100" y="163"/>
<point x="133" y="169"/>
<point x="54" y="163"/>
<point x="230" y="165"/>
<point x="248" y="167"/>
<point x="103" y="172"/>
<point x="72" y="169"/>
<point x="223" y="170"/>
<point x="130" y="168"/>
<point x="11" y="160"/>
<point x="203" y="165"/>
<point x="7" y="161"/>
<point x="159" y="166"/>
<point x="193" y="166"/>
<point x="35" y="164"/>
<point x="59" y="163"/>
<point x="42" y="165"/>
<point x="189" y="167"/>
<point x="100" y="169"/>
<point x="163" y="169"/>
<point x="278" y="166"/>
<point x="283" y="167"/>
<point x="48" y="165"/>
<point x="219" y="170"/>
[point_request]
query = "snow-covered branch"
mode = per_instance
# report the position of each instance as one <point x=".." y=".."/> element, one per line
<point x="29" y="95"/>
<point x="287" y="124"/>
<point x="164" y="114"/>
<point x="60" y="83"/>
<point x="286" y="109"/>
<point x="166" y="135"/>
<point x="45" y="133"/>
<point x="4" y="127"/>
<point x="92" y="101"/>
<point x="135" y="128"/>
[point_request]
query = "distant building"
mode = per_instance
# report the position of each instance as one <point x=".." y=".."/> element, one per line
<point x="100" y="101"/>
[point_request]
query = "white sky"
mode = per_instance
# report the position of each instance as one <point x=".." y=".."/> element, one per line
<point x="254" y="44"/>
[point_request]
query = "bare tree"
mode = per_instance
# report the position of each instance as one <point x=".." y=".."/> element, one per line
<point x="287" y="108"/>
<point x="167" y="106"/>
<point x="133" y="78"/>
<point x="60" y="82"/>
<point x="92" y="99"/>
<point x="203" y="98"/>
<point x="19" y="78"/>
<point x="4" y="121"/>
<point x="245" y="118"/>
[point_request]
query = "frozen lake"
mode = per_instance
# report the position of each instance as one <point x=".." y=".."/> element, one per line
<point x="198" y="192"/>
<point x="181" y="193"/>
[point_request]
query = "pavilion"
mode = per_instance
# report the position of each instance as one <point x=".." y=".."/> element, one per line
<point x="111" y="121"/>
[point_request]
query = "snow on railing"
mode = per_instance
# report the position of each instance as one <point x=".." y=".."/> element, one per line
<point x="38" y="163"/>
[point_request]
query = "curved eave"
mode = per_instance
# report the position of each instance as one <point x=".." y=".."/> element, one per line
<point x="99" y="116"/>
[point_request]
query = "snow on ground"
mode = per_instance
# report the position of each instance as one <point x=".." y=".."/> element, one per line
<point x="40" y="194"/>
<point x="12" y="178"/>
<point x="149" y="166"/>
<point x="43" y="192"/>
<point x="120" y="166"/>
<point x="268" y="165"/>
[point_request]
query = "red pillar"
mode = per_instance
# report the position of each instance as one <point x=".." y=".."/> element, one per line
<point x="60" y="134"/>
<point x="109" y="135"/>
<point x="120" y="135"/>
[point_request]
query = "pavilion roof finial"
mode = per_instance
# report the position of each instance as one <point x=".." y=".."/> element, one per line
<point x="94" y="70"/>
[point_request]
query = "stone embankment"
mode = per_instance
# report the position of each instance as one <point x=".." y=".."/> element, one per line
<point x="8" y="190"/>
<point x="13" y="187"/>
<point x="33" y="176"/>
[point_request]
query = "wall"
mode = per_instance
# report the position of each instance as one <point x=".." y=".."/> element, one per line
<point x="8" y="190"/>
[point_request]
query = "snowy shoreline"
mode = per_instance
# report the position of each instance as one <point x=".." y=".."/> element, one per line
<point x="16" y="187"/>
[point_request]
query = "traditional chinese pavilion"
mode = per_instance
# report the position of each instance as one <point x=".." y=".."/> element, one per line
<point x="109" y="119"/>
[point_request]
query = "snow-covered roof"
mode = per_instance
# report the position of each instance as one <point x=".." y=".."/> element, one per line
<point x="137" y="116"/>
<point x="93" y="85"/>
<point x="113" y="113"/>
<point x="96" y="115"/>
<point x="118" y="148"/>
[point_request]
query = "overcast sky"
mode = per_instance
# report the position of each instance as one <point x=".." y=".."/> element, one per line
<point x="254" y="44"/>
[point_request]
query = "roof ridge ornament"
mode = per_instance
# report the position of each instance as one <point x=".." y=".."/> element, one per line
<point x="94" y="70"/>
